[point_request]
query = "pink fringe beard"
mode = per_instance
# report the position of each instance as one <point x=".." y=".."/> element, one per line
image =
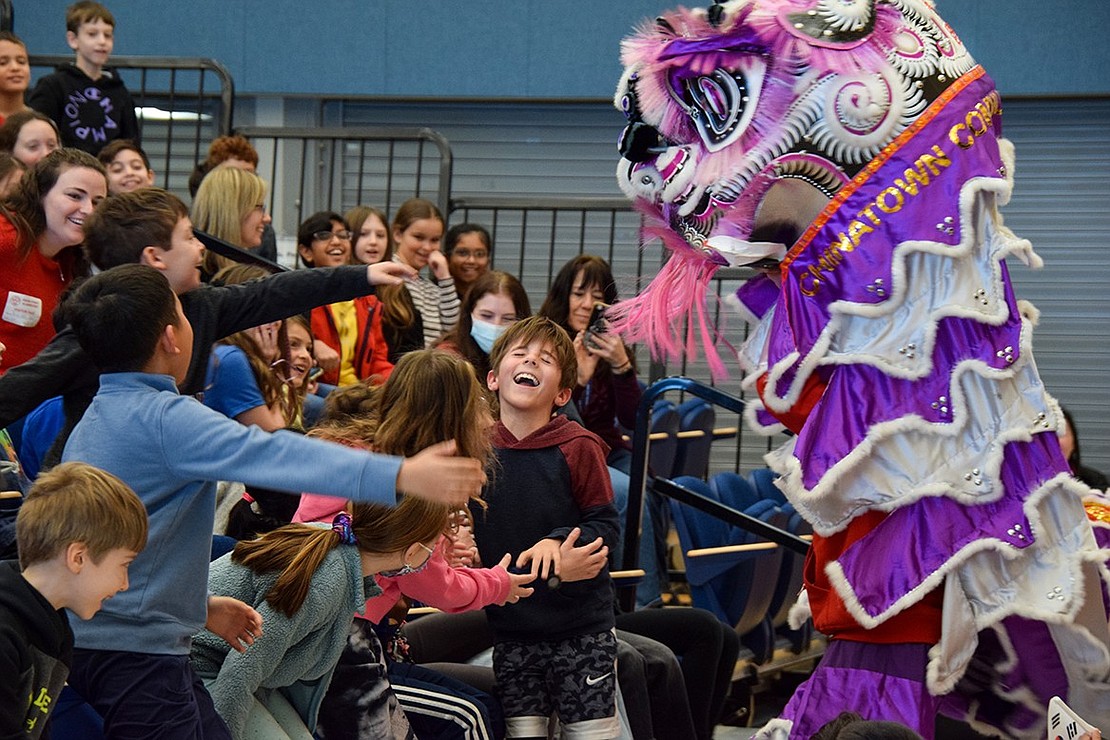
<point x="671" y="315"/>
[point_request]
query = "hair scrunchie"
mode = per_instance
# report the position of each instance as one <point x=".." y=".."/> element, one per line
<point x="341" y="525"/>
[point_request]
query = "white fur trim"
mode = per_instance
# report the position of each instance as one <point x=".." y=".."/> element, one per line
<point x="800" y="612"/>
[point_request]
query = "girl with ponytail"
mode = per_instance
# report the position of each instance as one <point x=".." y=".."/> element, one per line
<point x="307" y="581"/>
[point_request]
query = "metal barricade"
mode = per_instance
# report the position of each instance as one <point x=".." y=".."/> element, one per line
<point x="335" y="169"/>
<point x="534" y="236"/>
<point x="182" y="105"/>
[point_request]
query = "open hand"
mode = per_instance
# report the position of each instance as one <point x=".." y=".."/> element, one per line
<point x="435" y="473"/>
<point x="544" y="558"/>
<point x="238" y="623"/>
<point x="517" y="581"/>
<point x="389" y="273"/>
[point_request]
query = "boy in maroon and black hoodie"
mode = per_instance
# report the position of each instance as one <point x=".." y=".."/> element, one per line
<point x="554" y="652"/>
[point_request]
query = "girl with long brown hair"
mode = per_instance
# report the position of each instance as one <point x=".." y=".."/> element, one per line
<point x="419" y="311"/>
<point x="40" y="245"/>
<point x="368" y="699"/>
<point x="248" y="372"/>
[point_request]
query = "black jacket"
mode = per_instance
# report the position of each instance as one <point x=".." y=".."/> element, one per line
<point x="63" y="368"/>
<point x="89" y="113"/>
<point x="36" y="649"/>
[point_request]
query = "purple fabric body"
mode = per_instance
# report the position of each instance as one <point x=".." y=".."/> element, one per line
<point x="1039" y="670"/>
<point x="844" y="408"/>
<point x="879" y="682"/>
<point x="758" y="295"/>
<point x="798" y="328"/>
<point x="918" y="539"/>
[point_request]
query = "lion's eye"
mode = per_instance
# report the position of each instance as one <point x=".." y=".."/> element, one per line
<point x="720" y="104"/>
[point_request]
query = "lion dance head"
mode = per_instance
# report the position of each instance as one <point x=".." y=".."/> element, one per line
<point x="745" y="119"/>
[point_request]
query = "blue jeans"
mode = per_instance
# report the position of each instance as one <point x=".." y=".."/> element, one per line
<point x="142" y="695"/>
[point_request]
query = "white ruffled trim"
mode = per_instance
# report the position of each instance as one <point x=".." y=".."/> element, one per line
<point x="830" y="506"/>
<point x="1005" y="550"/>
<point x="800" y="612"/>
<point x="970" y="205"/>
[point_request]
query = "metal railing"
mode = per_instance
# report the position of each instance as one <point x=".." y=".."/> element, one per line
<point x="638" y="478"/>
<point x="335" y="169"/>
<point x="182" y="105"/>
<point x="534" y="236"/>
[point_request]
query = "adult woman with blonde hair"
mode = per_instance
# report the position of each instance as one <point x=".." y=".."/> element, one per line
<point x="231" y="206"/>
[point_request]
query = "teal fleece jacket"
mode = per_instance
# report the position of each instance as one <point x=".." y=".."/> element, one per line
<point x="294" y="654"/>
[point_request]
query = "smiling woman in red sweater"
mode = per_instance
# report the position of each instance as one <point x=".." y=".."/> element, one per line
<point x="40" y="237"/>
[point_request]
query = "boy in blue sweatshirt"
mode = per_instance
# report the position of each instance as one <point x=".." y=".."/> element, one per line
<point x="131" y="660"/>
<point x="555" y="651"/>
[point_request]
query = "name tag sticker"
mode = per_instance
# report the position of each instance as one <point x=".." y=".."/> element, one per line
<point x="22" y="309"/>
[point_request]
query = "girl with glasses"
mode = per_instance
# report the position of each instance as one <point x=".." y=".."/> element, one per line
<point x="468" y="248"/>
<point x="349" y="342"/>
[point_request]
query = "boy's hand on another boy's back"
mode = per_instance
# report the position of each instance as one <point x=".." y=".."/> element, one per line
<point x="238" y="623"/>
<point x="517" y="588"/>
<point x="389" y="273"/>
<point x="435" y="473"/>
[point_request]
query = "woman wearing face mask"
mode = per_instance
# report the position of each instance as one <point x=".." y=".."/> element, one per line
<point x="495" y="300"/>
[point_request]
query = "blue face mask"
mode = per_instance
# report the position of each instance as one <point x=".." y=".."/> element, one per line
<point x="485" y="334"/>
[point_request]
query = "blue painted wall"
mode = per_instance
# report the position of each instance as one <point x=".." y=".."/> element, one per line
<point x="521" y="49"/>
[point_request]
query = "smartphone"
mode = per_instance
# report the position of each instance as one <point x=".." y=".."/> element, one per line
<point x="596" y="324"/>
<point x="315" y="372"/>
<point x="1064" y="723"/>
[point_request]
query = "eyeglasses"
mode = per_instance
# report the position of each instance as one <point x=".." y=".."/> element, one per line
<point x="465" y="254"/>
<point x="326" y="236"/>
<point x="408" y="570"/>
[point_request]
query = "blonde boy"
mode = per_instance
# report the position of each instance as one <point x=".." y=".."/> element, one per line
<point x="554" y="652"/>
<point x="77" y="531"/>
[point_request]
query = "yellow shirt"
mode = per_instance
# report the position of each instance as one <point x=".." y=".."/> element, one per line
<point x="346" y="322"/>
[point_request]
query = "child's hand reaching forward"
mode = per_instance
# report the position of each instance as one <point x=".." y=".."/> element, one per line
<point x="238" y="623"/>
<point x="544" y="557"/>
<point x="517" y="589"/>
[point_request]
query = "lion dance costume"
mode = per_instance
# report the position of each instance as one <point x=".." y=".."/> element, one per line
<point x="953" y="567"/>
